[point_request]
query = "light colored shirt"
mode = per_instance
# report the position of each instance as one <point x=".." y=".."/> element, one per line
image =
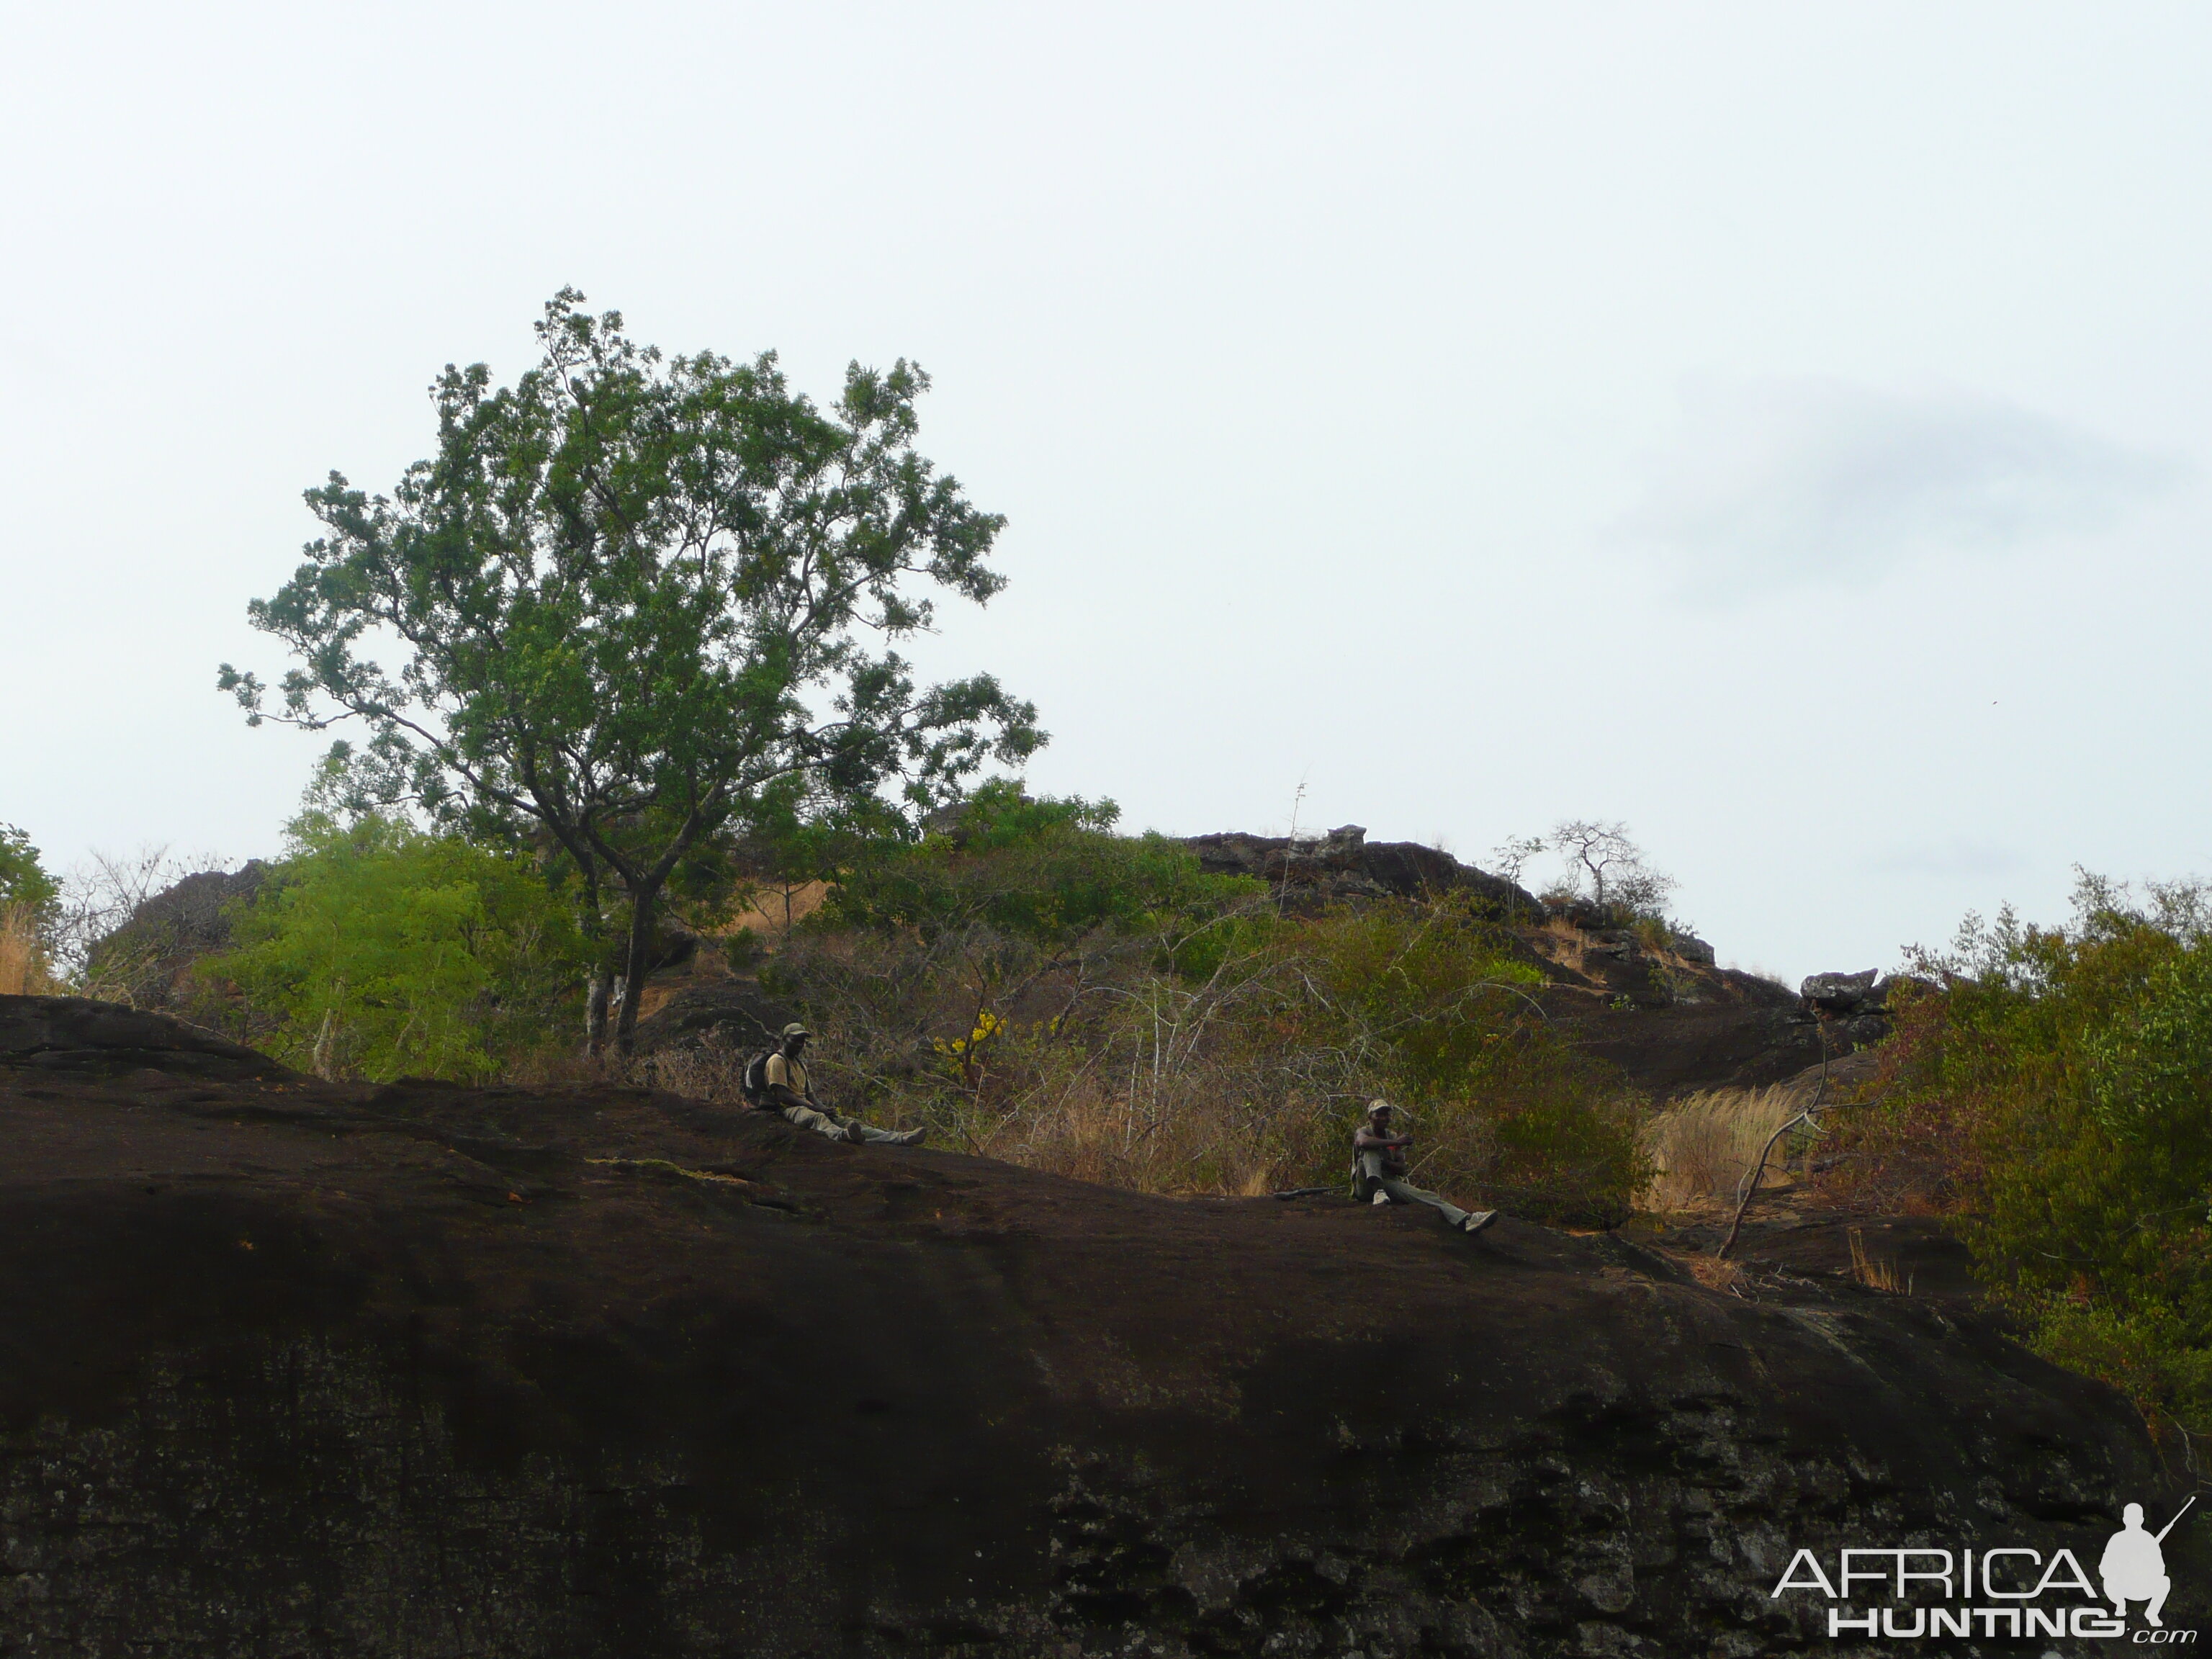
<point x="791" y="1073"/>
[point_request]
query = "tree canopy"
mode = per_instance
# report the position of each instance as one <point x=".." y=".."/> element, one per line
<point x="631" y="600"/>
<point x="23" y="880"/>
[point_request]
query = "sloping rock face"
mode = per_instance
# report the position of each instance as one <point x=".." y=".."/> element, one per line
<point x="74" y="1034"/>
<point x="1669" y="1017"/>
<point x="292" y="1368"/>
<point x="1743" y="1044"/>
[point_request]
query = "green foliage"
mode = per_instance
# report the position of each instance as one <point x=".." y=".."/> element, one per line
<point x="380" y="950"/>
<point x="1441" y="1019"/>
<point x="1046" y="872"/>
<point x="796" y="834"/>
<point x="633" y="596"/>
<point x="1428" y="982"/>
<point x="23" y="880"/>
<point x="2067" y="1075"/>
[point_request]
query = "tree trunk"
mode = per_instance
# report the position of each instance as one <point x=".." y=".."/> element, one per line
<point x="597" y="998"/>
<point x="643" y="906"/>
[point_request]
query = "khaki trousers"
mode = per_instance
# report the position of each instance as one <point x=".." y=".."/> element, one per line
<point x="836" y="1128"/>
<point x="1400" y="1193"/>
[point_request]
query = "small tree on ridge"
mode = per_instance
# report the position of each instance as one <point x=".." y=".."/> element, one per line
<point x="1618" y="876"/>
<point x="629" y="595"/>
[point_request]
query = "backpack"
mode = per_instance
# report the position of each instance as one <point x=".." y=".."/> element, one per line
<point x="753" y="1086"/>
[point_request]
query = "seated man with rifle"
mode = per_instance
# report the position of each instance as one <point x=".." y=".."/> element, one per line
<point x="777" y="1081"/>
<point x="1378" y="1172"/>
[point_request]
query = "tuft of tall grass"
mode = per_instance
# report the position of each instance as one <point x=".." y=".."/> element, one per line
<point x="1703" y="1146"/>
<point x="1874" y="1274"/>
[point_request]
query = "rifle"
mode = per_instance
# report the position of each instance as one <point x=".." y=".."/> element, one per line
<point x="2176" y="1521"/>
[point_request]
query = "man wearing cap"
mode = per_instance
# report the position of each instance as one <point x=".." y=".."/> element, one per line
<point x="787" y="1089"/>
<point x="1378" y="1171"/>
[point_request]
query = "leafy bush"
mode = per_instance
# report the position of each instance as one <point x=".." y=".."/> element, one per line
<point x="1432" y="1010"/>
<point x="2055" y="1094"/>
<point x="378" y="950"/>
<point x="1050" y="872"/>
<point x="932" y="957"/>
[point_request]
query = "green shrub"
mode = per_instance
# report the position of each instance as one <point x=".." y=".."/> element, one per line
<point x="378" y="951"/>
<point x="1435" y="1014"/>
<point x="1046" y="872"/>
<point x="24" y="882"/>
<point x="2060" y="1085"/>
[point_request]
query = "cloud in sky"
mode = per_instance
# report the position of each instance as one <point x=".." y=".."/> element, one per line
<point x="1785" y="483"/>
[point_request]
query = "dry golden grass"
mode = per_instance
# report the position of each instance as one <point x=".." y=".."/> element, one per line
<point x="1210" y="1128"/>
<point x="1876" y="1275"/>
<point x="1704" y="1145"/>
<point x="25" y="970"/>
<point x="774" y="911"/>
<point x="1226" y="1124"/>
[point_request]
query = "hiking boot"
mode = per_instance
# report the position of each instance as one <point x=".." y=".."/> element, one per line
<point x="1477" y="1220"/>
<point x="1384" y="1198"/>
<point x="906" y="1137"/>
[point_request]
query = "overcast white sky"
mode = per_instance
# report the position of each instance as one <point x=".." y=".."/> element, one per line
<point x="1784" y="428"/>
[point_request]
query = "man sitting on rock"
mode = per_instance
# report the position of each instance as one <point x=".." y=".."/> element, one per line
<point x="1378" y="1170"/>
<point x="785" y="1088"/>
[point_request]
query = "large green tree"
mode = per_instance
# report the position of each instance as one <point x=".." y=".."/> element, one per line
<point x="631" y="598"/>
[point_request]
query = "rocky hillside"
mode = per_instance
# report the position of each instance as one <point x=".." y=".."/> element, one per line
<point x="296" y="1368"/>
<point x="143" y="961"/>
<point x="1660" y="1009"/>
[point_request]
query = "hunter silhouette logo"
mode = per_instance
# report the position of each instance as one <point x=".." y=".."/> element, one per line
<point x="2134" y="1566"/>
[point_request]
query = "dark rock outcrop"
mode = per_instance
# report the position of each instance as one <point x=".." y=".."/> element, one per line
<point x="1690" y="948"/>
<point x="1844" y="994"/>
<point x="1659" y="1007"/>
<point x="1342" y="865"/>
<point x="75" y="1034"/>
<point x="728" y="1012"/>
<point x="295" y="1367"/>
<point x="1855" y="1007"/>
<point x="145" y="959"/>
<point x="1735" y="1044"/>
